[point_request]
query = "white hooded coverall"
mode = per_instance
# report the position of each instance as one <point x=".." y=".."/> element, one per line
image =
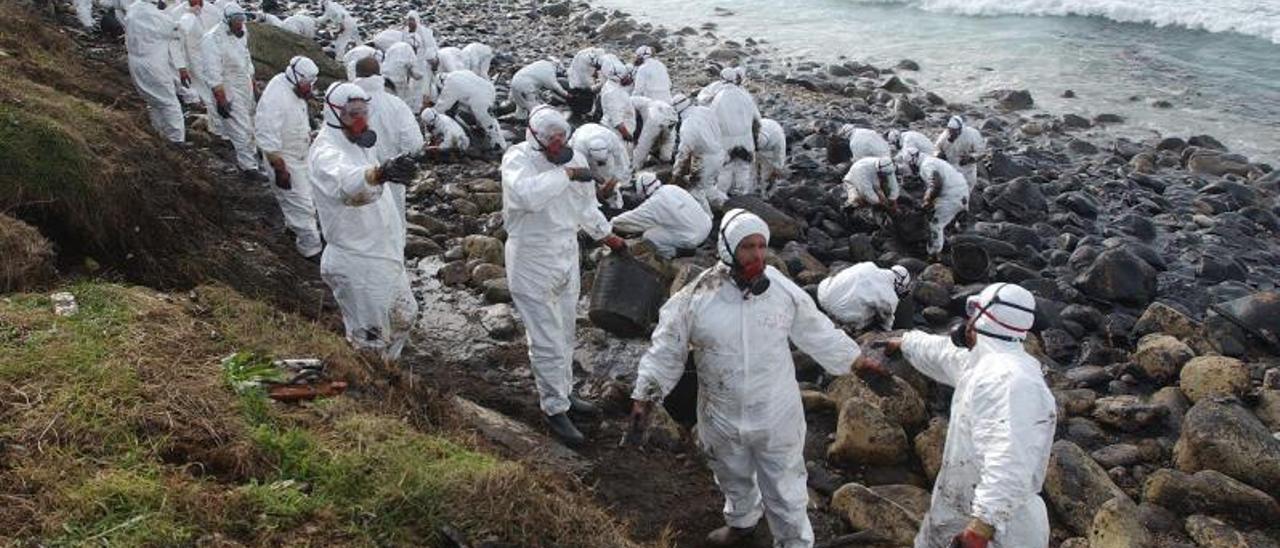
<point x="476" y="95"/>
<point x="658" y="124"/>
<point x="651" y="79"/>
<point x="228" y="65"/>
<point x="671" y="218"/>
<point x="397" y="127"/>
<point x="615" y="103"/>
<point x="952" y="198"/>
<point x="700" y="136"/>
<point x="451" y="60"/>
<point x="963" y="153"/>
<point x="737" y="115"/>
<point x="348" y="26"/>
<point x="193" y="22"/>
<point x="478" y="56"/>
<point x="527" y="85"/>
<point x="400" y="67"/>
<point x="153" y="44"/>
<point x="283" y="127"/>
<point x="865" y="143"/>
<point x="597" y="143"/>
<point x="1000" y="434"/>
<point x="354" y="55"/>
<point x="862" y="180"/>
<point x="917" y="140"/>
<point x="442" y="131"/>
<point x="862" y="296"/>
<point x="771" y="153"/>
<point x="750" y="420"/>
<point x="301" y="24"/>
<point x="583" y="67"/>
<point x="543" y="211"/>
<point x="363" y="262"/>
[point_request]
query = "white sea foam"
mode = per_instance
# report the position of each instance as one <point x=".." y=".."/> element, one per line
<point x="1259" y="18"/>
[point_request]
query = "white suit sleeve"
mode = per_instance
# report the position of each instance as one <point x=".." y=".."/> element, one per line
<point x="528" y="189"/>
<point x="353" y="189"/>
<point x="592" y="221"/>
<point x="663" y="364"/>
<point x="1001" y="410"/>
<point x="212" y="61"/>
<point x="448" y="97"/>
<point x="639" y="219"/>
<point x="815" y="335"/>
<point x="410" y="133"/>
<point x="268" y="123"/>
<point x="933" y="355"/>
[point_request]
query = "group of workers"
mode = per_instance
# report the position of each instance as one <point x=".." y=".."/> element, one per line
<point x="341" y="190"/>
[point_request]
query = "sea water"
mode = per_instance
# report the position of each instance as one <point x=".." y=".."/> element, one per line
<point x="1216" y="63"/>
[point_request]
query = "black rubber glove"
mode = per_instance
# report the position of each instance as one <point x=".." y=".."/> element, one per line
<point x="400" y="169"/>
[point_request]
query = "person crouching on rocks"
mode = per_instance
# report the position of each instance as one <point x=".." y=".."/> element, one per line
<point x="739" y="319"/>
<point x="946" y="197"/>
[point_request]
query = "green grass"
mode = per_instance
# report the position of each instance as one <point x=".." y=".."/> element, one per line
<point x="39" y="160"/>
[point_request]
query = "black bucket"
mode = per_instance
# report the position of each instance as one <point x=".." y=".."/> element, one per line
<point x="969" y="262"/>
<point x="625" y="296"/>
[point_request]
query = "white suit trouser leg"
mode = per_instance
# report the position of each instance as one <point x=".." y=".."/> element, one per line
<point x="753" y="475"/>
<point x="378" y="308"/>
<point x="398" y="196"/>
<point x="156" y="86"/>
<point x="736" y="178"/>
<point x="707" y="190"/>
<point x="549" y="323"/>
<point x="239" y="127"/>
<point x="1029" y="527"/>
<point x="525" y="98"/>
<point x="944" y="211"/>
<point x="298" y="209"/>
<point x="491" y="127"/>
<point x="84" y="13"/>
<point x="644" y="145"/>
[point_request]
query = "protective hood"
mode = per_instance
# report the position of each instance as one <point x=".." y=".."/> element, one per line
<point x="736" y="226"/>
<point x="301" y="69"/>
<point x="232" y="9"/>
<point x="955" y="122"/>
<point x="646" y="184"/>
<point x="372" y="84"/>
<point x="544" y="122"/>
<point x="846" y="131"/>
<point x="901" y="279"/>
<point x="337" y="97"/>
<point x="1011" y="315"/>
<point x="429" y="117"/>
<point x="892" y="136"/>
<point x="598" y="149"/>
<point x="644" y="52"/>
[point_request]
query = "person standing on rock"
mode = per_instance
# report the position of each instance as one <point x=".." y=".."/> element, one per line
<point x="478" y="56"/>
<point x="739" y="318"/>
<point x="468" y="90"/>
<point x="771" y="155"/>
<point x="548" y="195"/>
<point x="396" y="126"/>
<point x="363" y="262"/>
<point x="853" y="143"/>
<point x="530" y="81"/>
<point x="872" y="182"/>
<point x="961" y="146"/>
<point x="901" y="140"/>
<point x="699" y="134"/>
<point x="194" y="20"/>
<point x="947" y="194"/>
<point x="668" y="216"/>
<point x="283" y="132"/>
<point x="607" y="161"/>
<point x="865" y="296"/>
<point x="739" y="120"/>
<point x="348" y="26"/>
<point x="617" y="112"/>
<point x="400" y="68"/>
<point x="651" y="79"/>
<point x="1001" y="430"/>
<point x="230" y="73"/>
<point x="153" y="42"/>
<point x="657" y="121"/>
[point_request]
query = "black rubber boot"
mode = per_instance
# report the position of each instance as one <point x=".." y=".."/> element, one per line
<point x="564" y="430"/>
<point x="726" y="536"/>
<point x="579" y="406"/>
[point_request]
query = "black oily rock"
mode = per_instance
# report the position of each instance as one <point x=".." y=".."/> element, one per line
<point x="904" y="111"/>
<point x="1218" y="268"/>
<point x="993" y="247"/>
<point x="1088" y="376"/>
<point x="1020" y="199"/>
<point x="1014" y="273"/>
<point x="895" y="85"/>
<point x="936" y="316"/>
<point x="1079" y="146"/>
<point x="1079" y="203"/>
<point x="1108" y="119"/>
<point x="1009" y="99"/>
<point x="930" y="294"/>
<point x="1004" y="167"/>
<point x="907" y="64"/>
<point x="1016" y="234"/>
<point x="1117" y="275"/>
<point x="1059" y="345"/>
<point x="782" y="227"/>
<point x="1076" y="122"/>
<point x="1171" y="143"/>
<point x="1127" y="149"/>
<point x="1082" y="257"/>
<point x="1206" y="141"/>
<point x="1138" y="226"/>
<point x="1087" y="316"/>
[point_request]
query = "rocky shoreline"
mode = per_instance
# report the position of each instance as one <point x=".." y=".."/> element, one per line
<point x="1154" y="263"/>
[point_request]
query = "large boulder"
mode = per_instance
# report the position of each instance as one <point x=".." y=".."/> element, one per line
<point x="1213" y="493"/>
<point x="1214" y="377"/>
<point x="782" y="227"/>
<point x="1161" y="357"/>
<point x="1076" y="486"/>
<point x="929" y="445"/>
<point x="486" y="249"/>
<point x="1019" y="199"/>
<point x="28" y="256"/>
<point x="1116" y="525"/>
<point x="865" y="436"/>
<point x="1009" y="99"/>
<point x="1228" y="438"/>
<point x="1118" y="275"/>
<point x="1213" y="533"/>
<point x="1126" y="412"/>
<point x="893" y="396"/>
<point x="272" y="48"/>
<point x="892" y="510"/>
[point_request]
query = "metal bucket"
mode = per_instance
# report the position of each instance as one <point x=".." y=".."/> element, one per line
<point x="625" y="296"/>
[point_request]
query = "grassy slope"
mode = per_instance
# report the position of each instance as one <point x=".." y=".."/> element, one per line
<point x="116" y="426"/>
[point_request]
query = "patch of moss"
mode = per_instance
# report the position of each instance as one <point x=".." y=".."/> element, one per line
<point x="39" y="160"/>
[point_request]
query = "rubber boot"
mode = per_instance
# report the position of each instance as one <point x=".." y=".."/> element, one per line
<point x="727" y="536"/>
<point x="564" y="430"/>
<point x="579" y="406"/>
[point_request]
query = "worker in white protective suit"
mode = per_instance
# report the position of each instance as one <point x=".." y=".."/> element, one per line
<point x="401" y="68"/>
<point x="962" y="146"/>
<point x="584" y="67"/>
<point x="739" y="319"/>
<point x="443" y="133"/>
<point x="194" y="20"/>
<point x="607" y="160"/>
<point x="617" y="112"/>
<point x="900" y="140"/>
<point x="668" y="216"/>
<point x="153" y="43"/>
<point x="699" y="134"/>
<point x="657" y="121"/>
<point x="771" y="155"/>
<point x="476" y="95"/>
<point x="428" y="51"/>
<point x="864" y="296"/>
<point x="363" y="262"/>
<point x="450" y="59"/>
<point x="229" y="71"/>
<point x="348" y="26"/>
<point x="478" y="57"/>
<point x="852" y="143"/>
<point x="739" y="120"/>
<point x="84" y="13"/>
<point x="354" y="55"/>
<point x="547" y="196"/>
<point x="1001" y="430"/>
<point x="530" y="81"/>
<point x="947" y="194"/>
<point x="301" y="24"/>
<point x="650" y="79"/>
<point x="872" y="182"/>
<point x="396" y="126"/>
<point x="283" y="131"/>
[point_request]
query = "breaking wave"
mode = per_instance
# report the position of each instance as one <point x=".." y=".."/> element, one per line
<point x="1260" y="18"/>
